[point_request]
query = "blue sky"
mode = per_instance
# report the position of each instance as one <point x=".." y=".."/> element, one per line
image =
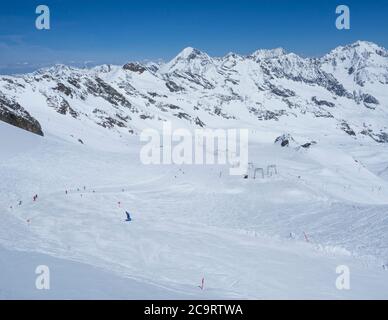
<point x="101" y="31"/>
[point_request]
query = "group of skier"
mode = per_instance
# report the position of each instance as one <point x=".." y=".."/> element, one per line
<point x="20" y="202"/>
<point x="128" y="215"/>
<point x="35" y="198"/>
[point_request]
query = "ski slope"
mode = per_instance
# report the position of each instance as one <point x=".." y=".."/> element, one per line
<point x="246" y="238"/>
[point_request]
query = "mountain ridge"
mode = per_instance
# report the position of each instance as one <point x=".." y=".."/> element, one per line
<point x="342" y="91"/>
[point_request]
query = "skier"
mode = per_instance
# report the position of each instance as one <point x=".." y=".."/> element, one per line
<point x="202" y="286"/>
<point x="128" y="216"/>
<point x="20" y="202"/>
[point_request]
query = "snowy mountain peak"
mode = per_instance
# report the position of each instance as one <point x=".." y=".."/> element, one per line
<point x="57" y="69"/>
<point x="365" y="62"/>
<point x="360" y="49"/>
<point x="231" y="55"/>
<point x="189" y="53"/>
<point x="262" y="54"/>
<point x="188" y="59"/>
<point x="365" y="46"/>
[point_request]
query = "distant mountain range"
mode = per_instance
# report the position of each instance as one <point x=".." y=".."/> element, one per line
<point x="343" y="94"/>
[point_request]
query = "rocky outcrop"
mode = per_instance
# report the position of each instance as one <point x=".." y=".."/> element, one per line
<point x="134" y="67"/>
<point x="322" y="102"/>
<point x="14" y="114"/>
<point x="284" y="140"/>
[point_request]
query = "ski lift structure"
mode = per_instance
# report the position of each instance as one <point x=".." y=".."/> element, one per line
<point x="261" y="172"/>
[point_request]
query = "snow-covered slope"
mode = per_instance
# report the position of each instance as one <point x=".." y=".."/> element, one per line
<point x="74" y="280"/>
<point x="246" y="238"/>
<point x="280" y="236"/>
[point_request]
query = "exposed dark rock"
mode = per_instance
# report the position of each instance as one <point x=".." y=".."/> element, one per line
<point x="13" y="113"/>
<point x="381" y="137"/>
<point x="218" y="112"/>
<point x="345" y="127"/>
<point x="62" y="88"/>
<point x="154" y="95"/>
<point x="266" y="114"/>
<point x="165" y="107"/>
<point x="153" y="68"/>
<point x="145" y="116"/>
<point x="123" y="118"/>
<point x="172" y="106"/>
<point x="74" y="82"/>
<point x="321" y="113"/>
<point x="285" y="143"/>
<point x="195" y="78"/>
<point x="105" y="91"/>
<point x="99" y="111"/>
<point x="284" y="140"/>
<point x="12" y="83"/>
<point x="134" y="67"/>
<point x="282" y="92"/>
<point x="232" y="81"/>
<point x="183" y="115"/>
<point x="319" y="77"/>
<point x="323" y="102"/>
<point x="109" y="122"/>
<point x="308" y="144"/>
<point x="65" y="108"/>
<point x="150" y="100"/>
<point x="367" y="98"/>
<point x="173" y="87"/>
<point x="128" y="88"/>
<point x="199" y="122"/>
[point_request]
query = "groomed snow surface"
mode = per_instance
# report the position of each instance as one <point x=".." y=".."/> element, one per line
<point x="281" y="237"/>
